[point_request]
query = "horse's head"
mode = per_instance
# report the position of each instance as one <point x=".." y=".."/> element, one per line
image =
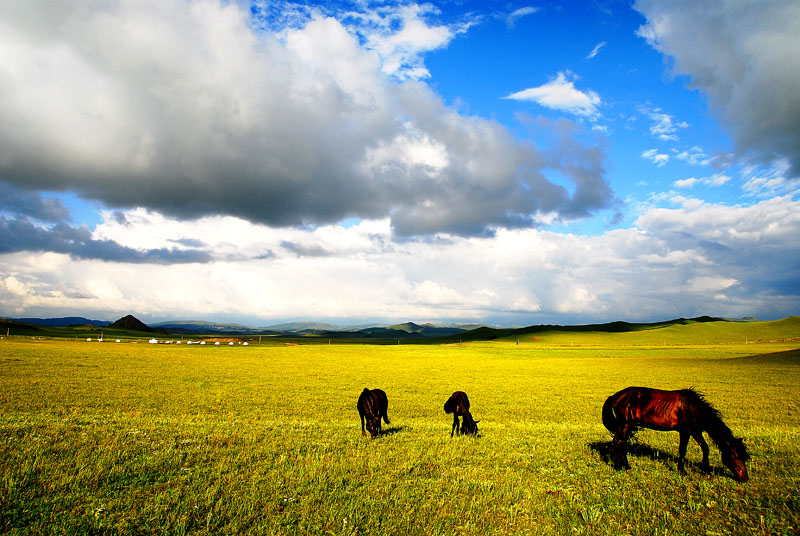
<point x="734" y="458"/>
<point x="373" y="424"/>
<point x="468" y="426"/>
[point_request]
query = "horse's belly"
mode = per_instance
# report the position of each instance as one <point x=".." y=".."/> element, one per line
<point x="662" y="423"/>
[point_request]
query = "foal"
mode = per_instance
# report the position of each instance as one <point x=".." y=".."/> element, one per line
<point x="458" y="405"/>
<point x="372" y="405"/>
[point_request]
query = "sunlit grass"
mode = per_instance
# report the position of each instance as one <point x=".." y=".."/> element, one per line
<point x="136" y="438"/>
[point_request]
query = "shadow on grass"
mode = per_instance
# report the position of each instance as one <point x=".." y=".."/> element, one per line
<point x="390" y="431"/>
<point x="605" y="450"/>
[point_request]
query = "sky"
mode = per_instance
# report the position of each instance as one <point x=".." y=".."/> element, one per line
<point x="510" y="163"/>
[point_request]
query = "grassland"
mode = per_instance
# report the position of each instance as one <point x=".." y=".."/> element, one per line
<point x="166" y="439"/>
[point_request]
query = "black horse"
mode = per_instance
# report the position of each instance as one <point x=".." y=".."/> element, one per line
<point x="685" y="411"/>
<point x="372" y="405"/>
<point x="458" y="405"/>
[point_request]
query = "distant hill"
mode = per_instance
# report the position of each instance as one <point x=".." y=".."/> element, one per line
<point x="701" y="329"/>
<point x="323" y="329"/>
<point x="132" y="323"/>
<point x="409" y="330"/>
<point x="201" y="326"/>
<point x="62" y="322"/>
<point x="19" y="328"/>
<point x="306" y="327"/>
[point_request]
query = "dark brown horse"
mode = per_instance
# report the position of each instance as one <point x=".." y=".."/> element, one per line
<point x="458" y="405"/>
<point x="372" y="405"/>
<point x="685" y="411"/>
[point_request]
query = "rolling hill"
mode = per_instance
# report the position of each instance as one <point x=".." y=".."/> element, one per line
<point x="698" y="330"/>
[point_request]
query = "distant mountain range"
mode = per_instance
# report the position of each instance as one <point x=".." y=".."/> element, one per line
<point x="407" y="330"/>
<point x="189" y="327"/>
<point x="404" y="331"/>
<point x="62" y="322"/>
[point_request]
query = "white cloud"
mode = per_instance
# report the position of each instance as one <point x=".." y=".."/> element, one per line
<point x="664" y="126"/>
<point x="14" y="286"/>
<point x="659" y="159"/>
<point x="413" y="150"/>
<point x="595" y="50"/>
<point x="511" y="18"/>
<point x="746" y="57"/>
<point x="771" y="181"/>
<point x="706" y="284"/>
<point x="401" y="35"/>
<point x="718" y="179"/>
<point x="695" y="157"/>
<point x="560" y="94"/>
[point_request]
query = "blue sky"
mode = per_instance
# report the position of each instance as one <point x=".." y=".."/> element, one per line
<point x="511" y="163"/>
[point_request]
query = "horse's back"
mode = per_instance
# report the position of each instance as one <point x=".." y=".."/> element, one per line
<point x="363" y="399"/>
<point x="383" y="400"/>
<point x="375" y="397"/>
<point x="457" y="403"/>
<point x="657" y="409"/>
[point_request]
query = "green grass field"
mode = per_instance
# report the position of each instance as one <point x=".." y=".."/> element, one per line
<point x="166" y="439"/>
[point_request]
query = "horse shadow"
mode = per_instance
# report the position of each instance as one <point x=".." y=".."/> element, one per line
<point x="390" y="431"/>
<point x="605" y="449"/>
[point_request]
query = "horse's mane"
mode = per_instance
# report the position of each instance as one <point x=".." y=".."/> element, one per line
<point x="704" y="407"/>
<point x="710" y="417"/>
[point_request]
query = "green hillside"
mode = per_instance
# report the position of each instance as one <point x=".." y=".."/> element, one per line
<point x="17" y="329"/>
<point x="681" y="331"/>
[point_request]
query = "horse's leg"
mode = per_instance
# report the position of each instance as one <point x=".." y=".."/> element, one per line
<point x="698" y="436"/>
<point x="620" y="439"/>
<point x="682" y="451"/>
<point x="363" y="432"/>
<point x="455" y="425"/>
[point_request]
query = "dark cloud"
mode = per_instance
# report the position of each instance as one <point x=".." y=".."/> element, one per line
<point x="32" y="204"/>
<point x="746" y="57"/>
<point x="23" y="235"/>
<point x="200" y="117"/>
<point x="583" y="165"/>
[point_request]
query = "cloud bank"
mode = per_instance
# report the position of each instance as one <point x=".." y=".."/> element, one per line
<point x="688" y="260"/>
<point x="181" y="107"/>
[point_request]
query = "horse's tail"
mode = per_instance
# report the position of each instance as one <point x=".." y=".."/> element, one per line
<point x="609" y="419"/>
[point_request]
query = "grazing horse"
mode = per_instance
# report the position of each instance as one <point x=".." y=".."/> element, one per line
<point x="686" y="411"/>
<point x="458" y="405"/>
<point x="372" y="405"/>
